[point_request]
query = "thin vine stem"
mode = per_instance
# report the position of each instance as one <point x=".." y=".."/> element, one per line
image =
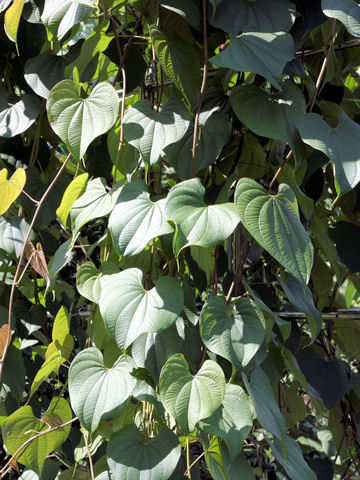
<point x="25" y="444"/>
<point x="202" y="90"/>
<point x="89" y="456"/>
<point x="22" y="254"/>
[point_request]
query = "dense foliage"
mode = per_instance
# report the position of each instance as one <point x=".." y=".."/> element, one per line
<point x="180" y="239"/>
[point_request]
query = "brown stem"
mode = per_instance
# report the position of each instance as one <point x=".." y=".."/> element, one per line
<point x="215" y="278"/>
<point x="25" y="444"/>
<point x="240" y="267"/>
<point x="18" y="267"/>
<point x="202" y="89"/>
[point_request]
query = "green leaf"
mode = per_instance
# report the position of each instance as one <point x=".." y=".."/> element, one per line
<point x="12" y="235"/>
<point x="232" y="421"/>
<point x="180" y="62"/>
<point x="130" y="457"/>
<point x="223" y="467"/>
<point x="346" y="11"/>
<point x="198" y="223"/>
<point x="267" y="410"/>
<point x="43" y="72"/>
<point x="78" y="121"/>
<point x="262" y="53"/>
<point x="89" y="281"/>
<point x="60" y="17"/>
<point x="337" y="143"/>
<point x="213" y="133"/>
<point x="23" y="425"/>
<point x="301" y="297"/>
<point x="75" y="188"/>
<point x="188" y="10"/>
<point x="150" y="131"/>
<point x="274" y="223"/>
<point x="235" y="16"/>
<point x="191" y="398"/>
<point x="292" y="460"/>
<point x="234" y="332"/>
<point x="12" y="19"/>
<point x="10" y="189"/>
<point x="61" y="257"/>
<point x="152" y="350"/>
<point x="129" y="310"/>
<point x="17" y="114"/>
<point x="95" y="202"/>
<point x="97" y="391"/>
<point x="279" y="111"/>
<point x="136" y="220"/>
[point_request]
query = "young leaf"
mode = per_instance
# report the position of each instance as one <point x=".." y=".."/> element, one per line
<point x="129" y="457"/>
<point x="78" y="121"/>
<point x="22" y="425"/>
<point x="129" y="310"/>
<point x="232" y="421"/>
<point x="96" y="391"/>
<point x="235" y="333"/>
<point x="136" y="220"/>
<point x="235" y="16"/>
<point x="12" y="19"/>
<point x="10" y="189"/>
<point x="274" y="223"/>
<point x="198" y="223"/>
<point x="191" y="398"/>
<point x="262" y="53"/>
<point x="337" y="143"/>
<point x="151" y="131"/>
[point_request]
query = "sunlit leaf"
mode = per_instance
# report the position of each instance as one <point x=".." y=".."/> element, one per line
<point x="60" y="17"/>
<point x="17" y="114"/>
<point x="346" y="11"/>
<point x="12" y="19"/>
<point x="72" y="193"/>
<point x="43" y="72"/>
<point x="10" y="189"/>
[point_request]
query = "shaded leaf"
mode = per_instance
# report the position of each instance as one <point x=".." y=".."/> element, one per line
<point x="191" y="398"/>
<point x="346" y="11"/>
<point x="346" y="236"/>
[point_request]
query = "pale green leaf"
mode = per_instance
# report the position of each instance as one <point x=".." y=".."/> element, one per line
<point x="72" y="193"/>
<point x="273" y="220"/>
<point x="10" y="189"/>
<point x="129" y="310"/>
<point x="131" y="458"/>
<point x="233" y="420"/>
<point x="22" y="425"/>
<point x="97" y="391"/>
<point x="198" y="223"/>
<point x="12" y="235"/>
<point x="78" y="121"/>
<point x="136" y="219"/>
<point x="191" y="398"/>
<point x="60" y="17"/>
<point x="44" y="71"/>
<point x="339" y="144"/>
<point x="262" y="53"/>
<point x="150" y="131"/>
<point x="17" y="114"/>
<point x="89" y="281"/>
<point x="235" y="16"/>
<point x="234" y="332"/>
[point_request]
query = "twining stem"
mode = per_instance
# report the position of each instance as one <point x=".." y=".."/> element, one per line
<point x="202" y="89"/>
<point x="89" y="456"/>
<point x="23" y="191"/>
<point x="188" y="467"/>
<point x="18" y="267"/>
<point x="311" y="102"/>
<point x="193" y="463"/>
<point x="240" y="267"/>
<point x="25" y="444"/>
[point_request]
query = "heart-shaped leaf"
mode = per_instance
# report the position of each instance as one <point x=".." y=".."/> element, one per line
<point x="89" y="281"/>
<point x="60" y="17"/>
<point x="13" y="232"/>
<point x="150" y="131"/>
<point x="129" y="310"/>
<point x="17" y="114"/>
<point x="274" y="223"/>
<point x="262" y="53"/>
<point x="151" y="350"/>
<point x="97" y="391"/>
<point x="235" y="16"/>
<point x="129" y="457"/>
<point x="23" y="425"/>
<point x="339" y="144"/>
<point x="198" y="223"/>
<point x="235" y="333"/>
<point x="43" y="72"/>
<point x="78" y="121"/>
<point x="346" y="11"/>
<point x="191" y="398"/>
<point x="279" y="111"/>
<point x="214" y="132"/>
<point x="135" y="219"/>
<point x="95" y="202"/>
<point x="10" y="189"/>
<point x="233" y="420"/>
